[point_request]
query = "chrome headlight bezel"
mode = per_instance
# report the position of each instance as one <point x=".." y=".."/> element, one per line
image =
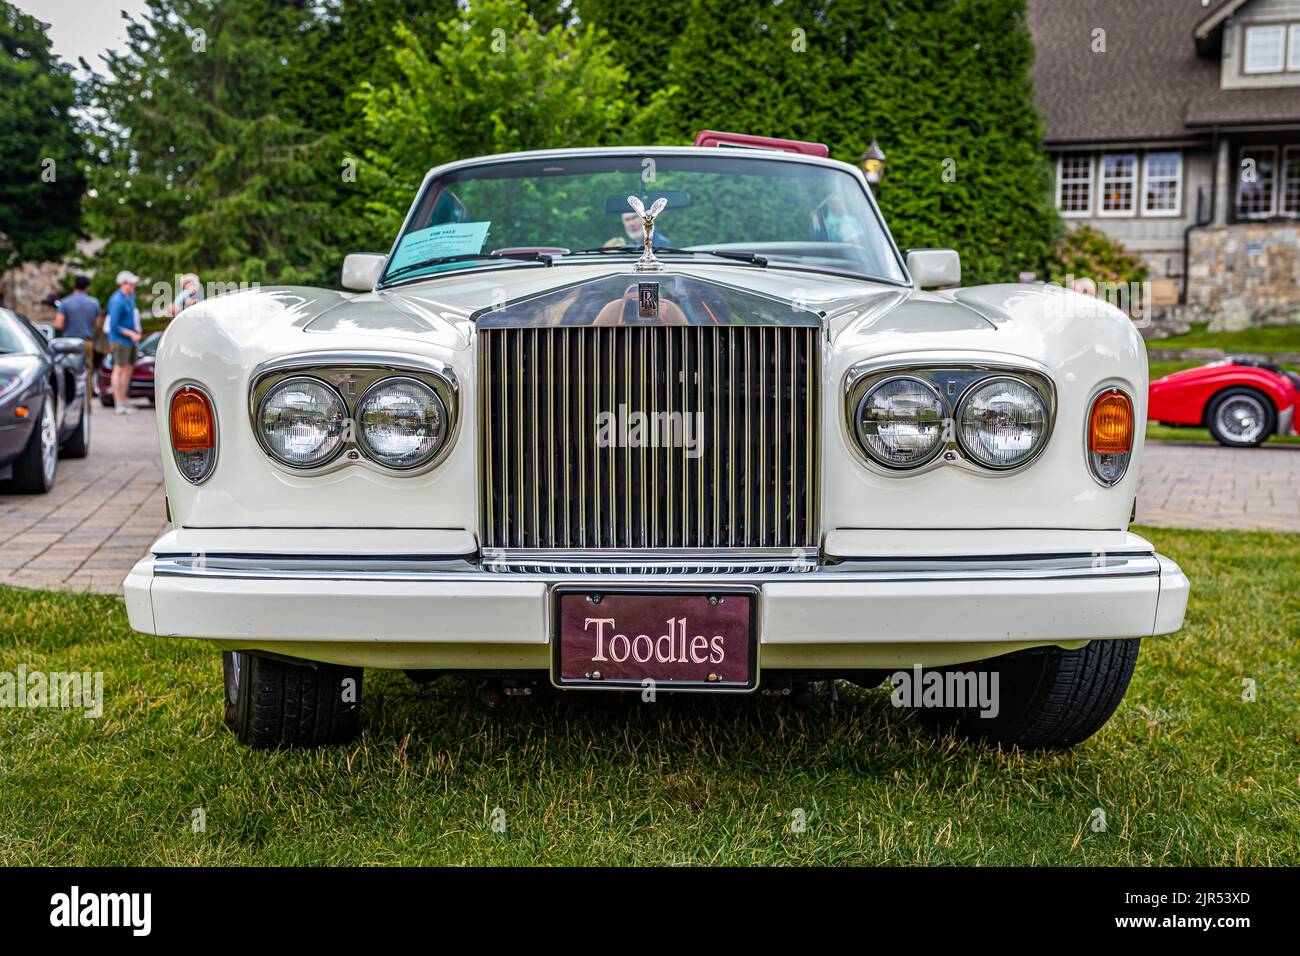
<point x="953" y="375"/>
<point x="352" y="375"/>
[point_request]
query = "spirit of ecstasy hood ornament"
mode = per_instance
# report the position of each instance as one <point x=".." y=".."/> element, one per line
<point x="648" y="262"/>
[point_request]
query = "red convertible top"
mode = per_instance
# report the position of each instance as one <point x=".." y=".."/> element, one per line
<point x="712" y="137"/>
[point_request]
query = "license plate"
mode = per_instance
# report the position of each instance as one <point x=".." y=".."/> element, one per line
<point x="632" y="639"/>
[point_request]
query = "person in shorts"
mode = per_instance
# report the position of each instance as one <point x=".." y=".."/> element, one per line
<point x="123" y="337"/>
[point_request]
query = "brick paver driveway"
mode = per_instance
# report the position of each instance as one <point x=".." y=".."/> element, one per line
<point x="1204" y="485"/>
<point x="107" y="509"/>
<point x="102" y="515"/>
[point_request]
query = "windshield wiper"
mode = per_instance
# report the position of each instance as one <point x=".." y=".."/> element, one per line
<point x="469" y="257"/>
<point x="750" y="257"/>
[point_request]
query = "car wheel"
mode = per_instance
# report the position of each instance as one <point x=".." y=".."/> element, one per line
<point x="272" y="702"/>
<point x="1049" y="699"/>
<point x="35" y="468"/>
<point x="78" y="444"/>
<point x="1241" y="418"/>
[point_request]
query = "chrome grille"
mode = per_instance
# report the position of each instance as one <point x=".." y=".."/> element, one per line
<point x="746" y="397"/>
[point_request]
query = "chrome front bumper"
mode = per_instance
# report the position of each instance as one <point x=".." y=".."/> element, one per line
<point x="428" y="588"/>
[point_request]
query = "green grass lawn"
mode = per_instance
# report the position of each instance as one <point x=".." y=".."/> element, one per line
<point x="1279" y="338"/>
<point x="1186" y="772"/>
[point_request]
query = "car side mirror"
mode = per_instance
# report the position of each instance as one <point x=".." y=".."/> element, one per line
<point x="68" y="346"/>
<point x="361" y="270"/>
<point x="932" y="268"/>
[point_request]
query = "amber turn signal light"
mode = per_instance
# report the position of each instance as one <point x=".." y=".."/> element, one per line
<point x="1110" y="426"/>
<point x="193" y="428"/>
<point x="1110" y="435"/>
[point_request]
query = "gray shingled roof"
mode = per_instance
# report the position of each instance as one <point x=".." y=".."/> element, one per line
<point x="1150" y="84"/>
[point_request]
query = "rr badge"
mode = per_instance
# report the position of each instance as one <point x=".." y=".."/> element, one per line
<point x="647" y="297"/>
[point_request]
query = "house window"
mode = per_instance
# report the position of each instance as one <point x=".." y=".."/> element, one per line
<point x="1293" y="48"/>
<point x="1265" y="49"/>
<point x="1074" y="184"/>
<point x="1255" y="181"/>
<point x="1291" y="181"/>
<point x="1163" y="183"/>
<point x="1118" y="184"/>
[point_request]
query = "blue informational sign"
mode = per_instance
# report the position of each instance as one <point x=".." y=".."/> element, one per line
<point x="452" y="239"/>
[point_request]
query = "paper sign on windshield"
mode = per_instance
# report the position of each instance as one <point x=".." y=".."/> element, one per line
<point x="452" y="239"/>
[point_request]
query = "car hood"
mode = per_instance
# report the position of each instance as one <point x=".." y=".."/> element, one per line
<point x="445" y="311"/>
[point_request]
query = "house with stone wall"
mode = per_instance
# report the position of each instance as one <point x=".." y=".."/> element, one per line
<point x="1174" y="127"/>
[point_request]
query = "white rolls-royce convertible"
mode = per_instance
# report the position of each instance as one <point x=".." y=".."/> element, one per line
<point x="658" y="420"/>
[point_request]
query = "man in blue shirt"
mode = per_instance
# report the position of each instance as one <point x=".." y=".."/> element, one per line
<point x="77" y="315"/>
<point x="123" y="336"/>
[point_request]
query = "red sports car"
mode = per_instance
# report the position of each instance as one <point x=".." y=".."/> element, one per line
<point x="141" y="375"/>
<point x="1242" y="401"/>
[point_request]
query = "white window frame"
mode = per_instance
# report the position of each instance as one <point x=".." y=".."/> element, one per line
<point x="1293" y="48"/>
<point x="1178" y="185"/>
<point x="1236" y="192"/>
<point x="1092" y="187"/>
<point x="1136" y="181"/>
<point x="1290" y="154"/>
<point x="1257" y="29"/>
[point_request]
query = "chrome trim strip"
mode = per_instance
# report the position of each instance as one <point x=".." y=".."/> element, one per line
<point x="460" y="568"/>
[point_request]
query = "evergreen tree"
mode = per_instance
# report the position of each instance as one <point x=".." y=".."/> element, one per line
<point x="943" y="84"/>
<point x="203" y="164"/>
<point x="40" y="192"/>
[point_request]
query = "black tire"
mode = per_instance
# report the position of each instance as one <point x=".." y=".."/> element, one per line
<point x="271" y="702"/>
<point x="29" y="472"/>
<point x="1050" y="699"/>
<point x="1246" y="398"/>
<point x="78" y="443"/>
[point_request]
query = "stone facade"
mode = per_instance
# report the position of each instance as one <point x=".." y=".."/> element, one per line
<point x="1246" y="274"/>
<point x="23" y="287"/>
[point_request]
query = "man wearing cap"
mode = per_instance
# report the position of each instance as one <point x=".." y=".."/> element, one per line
<point x="123" y="336"/>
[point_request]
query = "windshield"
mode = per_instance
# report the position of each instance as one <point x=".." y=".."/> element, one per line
<point x="791" y="214"/>
<point x="17" y="336"/>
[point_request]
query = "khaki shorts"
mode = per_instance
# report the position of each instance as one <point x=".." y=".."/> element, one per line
<point x="123" y="353"/>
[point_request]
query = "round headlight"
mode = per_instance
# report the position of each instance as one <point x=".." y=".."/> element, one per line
<point x="302" y="422"/>
<point x="900" y="422"/>
<point x="1002" y="422"/>
<point x="402" y="422"/>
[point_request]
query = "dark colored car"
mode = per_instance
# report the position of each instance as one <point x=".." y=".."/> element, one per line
<point x="141" y="375"/>
<point x="44" y="408"/>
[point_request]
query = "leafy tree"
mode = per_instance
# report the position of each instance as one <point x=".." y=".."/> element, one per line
<point x="643" y="35"/>
<point x="40" y="192"/>
<point x="943" y="84"/>
<point x="495" y="82"/>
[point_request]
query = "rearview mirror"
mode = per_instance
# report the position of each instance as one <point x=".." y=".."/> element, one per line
<point x="933" y="268"/>
<point x="361" y="270"/>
